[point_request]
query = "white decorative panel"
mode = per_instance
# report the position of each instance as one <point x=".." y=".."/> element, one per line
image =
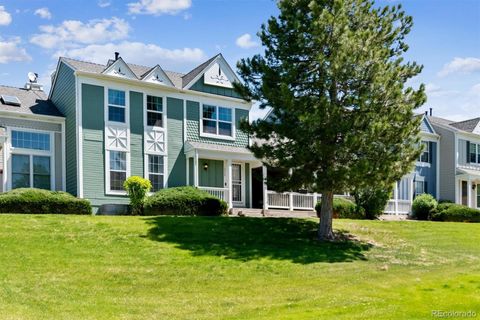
<point x="116" y="138"/>
<point x="155" y="141"/>
<point x="215" y="76"/>
<point x="120" y="69"/>
<point x="158" y="76"/>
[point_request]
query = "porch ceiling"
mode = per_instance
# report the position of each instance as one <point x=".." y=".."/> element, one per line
<point x="223" y="151"/>
<point x="472" y="173"/>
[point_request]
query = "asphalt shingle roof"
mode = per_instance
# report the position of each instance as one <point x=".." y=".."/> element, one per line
<point x="467" y="125"/>
<point x="31" y="102"/>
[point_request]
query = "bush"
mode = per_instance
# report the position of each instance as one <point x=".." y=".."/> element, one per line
<point x="373" y="200"/>
<point x="184" y="201"/>
<point x="30" y="200"/>
<point x="456" y="213"/>
<point x="137" y="189"/>
<point x="423" y="206"/>
<point x="343" y="209"/>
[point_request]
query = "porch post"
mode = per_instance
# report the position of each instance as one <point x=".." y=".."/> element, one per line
<point x="412" y="192"/>
<point x="229" y="181"/>
<point x="188" y="171"/>
<point x="290" y="201"/>
<point x="469" y="192"/>
<point x="395" y="199"/>
<point x="264" y="181"/>
<point x="195" y="169"/>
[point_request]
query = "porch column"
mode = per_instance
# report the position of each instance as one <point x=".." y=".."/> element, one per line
<point x="412" y="192"/>
<point x="195" y="169"/>
<point x="395" y="198"/>
<point x="264" y="181"/>
<point x="469" y="193"/>
<point x="229" y="184"/>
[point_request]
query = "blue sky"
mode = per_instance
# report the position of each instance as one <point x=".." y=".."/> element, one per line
<point x="180" y="34"/>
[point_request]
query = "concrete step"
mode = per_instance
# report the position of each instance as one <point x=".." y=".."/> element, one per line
<point x="274" y="213"/>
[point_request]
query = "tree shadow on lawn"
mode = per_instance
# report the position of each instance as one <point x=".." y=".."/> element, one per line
<point x="247" y="239"/>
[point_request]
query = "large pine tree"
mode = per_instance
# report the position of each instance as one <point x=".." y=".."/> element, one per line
<point x="342" y="116"/>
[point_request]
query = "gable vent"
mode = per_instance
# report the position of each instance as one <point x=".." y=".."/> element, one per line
<point x="10" y="100"/>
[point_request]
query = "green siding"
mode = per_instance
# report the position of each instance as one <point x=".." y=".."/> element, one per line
<point x="176" y="157"/>
<point x="213" y="176"/>
<point x="202" y="87"/>
<point x="63" y="96"/>
<point x="247" y="185"/>
<point x="193" y="127"/>
<point x="136" y="134"/>
<point x="190" y="172"/>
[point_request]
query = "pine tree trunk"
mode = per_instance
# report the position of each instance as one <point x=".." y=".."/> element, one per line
<point x="325" y="231"/>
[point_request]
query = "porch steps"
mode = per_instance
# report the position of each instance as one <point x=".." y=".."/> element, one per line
<point x="272" y="213"/>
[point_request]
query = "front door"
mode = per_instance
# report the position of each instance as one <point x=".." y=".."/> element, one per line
<point x="465" y="193"/>
<point x="237" y="185"/>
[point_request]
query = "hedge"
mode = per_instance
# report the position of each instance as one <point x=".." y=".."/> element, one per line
<point x="184" y="201"/>
<point x="423" y="206"/>
<point x="31" y="200"/>
<point x="343" y="209"/>
<point x="455" y="213"/>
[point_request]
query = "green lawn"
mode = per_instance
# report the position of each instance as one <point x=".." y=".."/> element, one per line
<point x="83" y="267"/>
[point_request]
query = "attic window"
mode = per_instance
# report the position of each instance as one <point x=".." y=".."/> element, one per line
<point x="10" y="100"/>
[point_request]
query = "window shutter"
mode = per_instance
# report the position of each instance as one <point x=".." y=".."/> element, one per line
<point x="468" y="152"/>
<point x="430" y="152"/>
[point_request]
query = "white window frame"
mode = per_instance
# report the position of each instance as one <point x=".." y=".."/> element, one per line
<point x="163" y="112"/>
<point x="126" y="107"/>
<point x="242" y="177"/>
<point x="423" y="187"/>
<point x="477" y="153"/>
<point x="10" y="150"/>
<point x="108" y="170"/>
<point x="217" y="121"/>
<point x="426" y="149"/>
<point x="147" y="168"/>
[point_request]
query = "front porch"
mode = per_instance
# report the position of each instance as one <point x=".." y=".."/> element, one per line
<point x="467" y="186"/>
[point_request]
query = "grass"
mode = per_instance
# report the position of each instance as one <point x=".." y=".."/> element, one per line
<point x="83" y="267"/>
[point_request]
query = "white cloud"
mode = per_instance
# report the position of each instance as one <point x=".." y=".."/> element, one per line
<point x="5" y="17"/>
<point x="475" y="90"/>
<point x="71" y="33"/>
<point x="245" y="41"/>
<point x="43" y="13"/>
<point x="432" y="90"/>
<point x="461" y="65"/>
<point x="103" y="3"/>
<point x="158" y="7"/>
<point x="11" y="51"/>
<point x="139" y="53"/>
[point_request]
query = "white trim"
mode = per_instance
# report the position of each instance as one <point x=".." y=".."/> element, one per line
<point x="184" y="120"/>
<point x="5" y="166"/>
<point x="146" y="167"/>
<point x="129" y="74"/>
<point x="64" y="162"/>
<point x="33" y="117"/>
<point x="146" y="77"/>
<point x="218" y="58"/>
<point x="108" y="191"/>
<point x="54" y="82"/>
<point x="79" y="136"/>
<point x="126" y="107"/>
<point x="217" y="121"/>
<point x="242" y="180"/>
<point x="250" y="187"/>
<point x="163" y="113"/>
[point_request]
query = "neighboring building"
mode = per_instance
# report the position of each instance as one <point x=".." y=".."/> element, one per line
<point x="424" y="178"/>
<point x="175" y="129"/>
<point x="460" y="165"/>
<point x="31" y="139"/>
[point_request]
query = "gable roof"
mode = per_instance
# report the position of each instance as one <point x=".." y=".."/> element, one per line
<point x="33" y="102"/>
<point x="186" y="79"/>
<point x="467" y="125"/>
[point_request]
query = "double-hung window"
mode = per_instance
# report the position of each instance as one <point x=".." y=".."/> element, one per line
<point x="154" y="111"/>
<point x="31" y="160"/>
<point x="420" y="187"/>
<point x="116" y="106"/>
<point x="156" y="171"/>
<point x="473" y="152"/>
<point x="217" y="121"/>
<point x="425" y="156"/>
<point x="118" y="170"/>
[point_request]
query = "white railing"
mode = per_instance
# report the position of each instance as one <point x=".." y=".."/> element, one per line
<point x="291" y="200"/>
<point x="220" y="193"/>
<point x="398" y="206"/>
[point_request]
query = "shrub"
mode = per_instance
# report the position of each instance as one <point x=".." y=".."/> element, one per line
<point x="137" y="189"/>
<point x="343" y="209"/>
<point x="373" y="200"/>
<point x="456" y="213"/>
<point x="423" y="206"/>
<point x="186" y="201"/>
<point x="30" y="200"/>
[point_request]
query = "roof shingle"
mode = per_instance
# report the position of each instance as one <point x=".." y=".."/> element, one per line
<point x="32" y="102"/>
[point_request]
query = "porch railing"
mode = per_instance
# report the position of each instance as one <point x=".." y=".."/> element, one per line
<point x="398" y="206"/>
<point x="221" y="193"/>
<point x="291" y="200"/>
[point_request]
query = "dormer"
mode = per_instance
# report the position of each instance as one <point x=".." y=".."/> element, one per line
<point x="119" y="69"/>
<point x="158" y="76"/>
<point x="216" y="72"/>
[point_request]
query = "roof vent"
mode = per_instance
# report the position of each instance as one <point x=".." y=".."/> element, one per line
<point x="10" y="100"/>
<point x="32" y="82"/>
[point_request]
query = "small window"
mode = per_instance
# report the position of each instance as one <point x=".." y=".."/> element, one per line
<point x="30" y="140"/>
<point x="31" y="171"/>
<point x="420" y="187"/>
<point x="118" y="170"/>
<point x="154" y="111"/>
<point x="425" y="156"/>
<point x="217" y="120"/>
<point x="474" y="154"/>
<point x="116" y="106"/>
<point x="156" y="171"/>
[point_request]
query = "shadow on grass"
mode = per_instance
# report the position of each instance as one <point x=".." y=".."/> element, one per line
<point x="247" y="239"/>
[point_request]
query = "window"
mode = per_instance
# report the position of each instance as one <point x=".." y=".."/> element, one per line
<point x="478" y="195"/>
<point x="154" y="111"/>
<point x="425" y="156"/>
<point x="217" y="121"/>
<point x="31" y="171"/>
<point x="118" y="170"/>
<point x="473" y="152"/>
<point x="116" y="105"/>
<point x="155" y="171"/>
<point x="30" y="140"/>
<point x="420" y="187"/>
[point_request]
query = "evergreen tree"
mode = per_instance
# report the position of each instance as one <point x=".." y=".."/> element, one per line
<point x="342" y="116"/>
